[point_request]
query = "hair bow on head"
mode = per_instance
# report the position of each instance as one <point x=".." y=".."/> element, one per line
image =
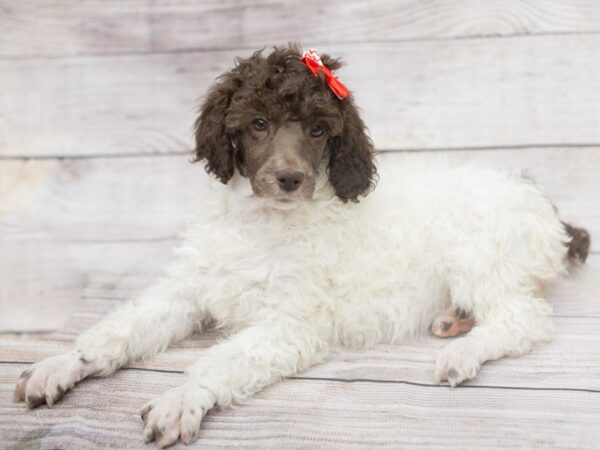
<point x="313" y="61"/>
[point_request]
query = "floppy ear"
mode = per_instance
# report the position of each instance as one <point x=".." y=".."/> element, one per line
<point x="351" y="167"/>
<point x="213" y="143"/>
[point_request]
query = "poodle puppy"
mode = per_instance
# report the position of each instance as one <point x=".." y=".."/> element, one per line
<point x="291" y="264"/>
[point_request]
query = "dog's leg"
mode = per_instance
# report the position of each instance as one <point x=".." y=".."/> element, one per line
<point x="509" y="327"/>
<point x="142" y="327"/>
<point x="229" y="372"/>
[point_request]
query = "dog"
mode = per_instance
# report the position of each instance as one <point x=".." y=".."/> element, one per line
<point x="299" y="254"/>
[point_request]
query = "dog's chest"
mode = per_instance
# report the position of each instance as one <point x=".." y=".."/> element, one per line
<point x="252" y="268"/>
<point x="303" y="267"/>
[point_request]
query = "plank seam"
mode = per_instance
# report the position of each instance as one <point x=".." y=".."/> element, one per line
<point x="373" y="381"/>
<point x="468" y="386"/>
<point x="216" y="49"/>
<point x="172" y="238"/>
<point x="94" y="156"/>
<point x="390" y="150"/>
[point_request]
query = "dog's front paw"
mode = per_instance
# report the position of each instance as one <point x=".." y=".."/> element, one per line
<point x="458" y="361"/>
<point x="176" y="414"/>
<point x="48" y="380"/>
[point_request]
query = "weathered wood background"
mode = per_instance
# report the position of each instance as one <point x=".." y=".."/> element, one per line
<point x="97" y="99"/>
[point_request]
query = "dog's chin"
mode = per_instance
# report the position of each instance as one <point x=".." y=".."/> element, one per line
<point x="285" y="201"/>
<point x="283" y="204"/>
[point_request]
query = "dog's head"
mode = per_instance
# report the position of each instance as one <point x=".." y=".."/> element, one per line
<point x="275" y="121"/>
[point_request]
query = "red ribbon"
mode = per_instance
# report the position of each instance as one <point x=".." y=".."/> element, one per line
<point x="313" y="61"/>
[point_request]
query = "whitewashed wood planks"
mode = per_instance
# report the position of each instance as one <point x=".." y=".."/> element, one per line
<point x="42" y="281"/>
<point x="146" y="198"/>
<point x="552" y="390"/>
<point x="98" y="199"/>
<point x="428" y="94"/>
<point x="313" y="414"/>
<point x="381" y="397"/>
<point x="122" y="79"/>
<point x="52" y="29"/>
<point x="39" y="285"/>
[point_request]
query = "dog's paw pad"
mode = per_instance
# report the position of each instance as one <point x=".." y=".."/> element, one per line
<point x="451" y="323"/>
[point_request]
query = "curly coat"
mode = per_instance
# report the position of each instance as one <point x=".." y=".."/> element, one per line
<point x="291" y="286"/>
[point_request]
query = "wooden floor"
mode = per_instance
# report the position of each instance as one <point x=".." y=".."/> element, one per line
<point x="97" y="101"/>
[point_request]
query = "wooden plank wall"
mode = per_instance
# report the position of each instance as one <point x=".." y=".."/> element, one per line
<point x="97" y="101"/>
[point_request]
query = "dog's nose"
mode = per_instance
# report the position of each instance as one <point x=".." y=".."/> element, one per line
<point x="289" y="180"/>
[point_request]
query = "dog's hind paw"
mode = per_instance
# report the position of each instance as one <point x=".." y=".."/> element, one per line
<point x="451" y="323"/>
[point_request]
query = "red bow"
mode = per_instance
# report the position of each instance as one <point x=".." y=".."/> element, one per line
<point x="313" y="61"/>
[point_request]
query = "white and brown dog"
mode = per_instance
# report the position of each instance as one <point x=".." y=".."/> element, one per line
<point x="291" y="265"/>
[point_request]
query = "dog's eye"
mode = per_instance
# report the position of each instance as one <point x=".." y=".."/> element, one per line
<point x="259" y="124"/>
<point x="317" y="131"/>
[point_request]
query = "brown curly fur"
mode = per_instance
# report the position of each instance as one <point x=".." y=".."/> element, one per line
<point x="280" y="85"/>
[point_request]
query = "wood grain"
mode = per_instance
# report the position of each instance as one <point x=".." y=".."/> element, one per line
<point x="312" y="414"/>
<point x="423" y="95"/>
<point x="94" y="94"/>
<point x="38" y="285"/>
<point x="97" y="199"/>
<point x="49" y="28"/>
<point x="42" y="281"/>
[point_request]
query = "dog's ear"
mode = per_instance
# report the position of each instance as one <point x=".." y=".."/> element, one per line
<point x="351" y="167"/>
<point x="214" y="145"/>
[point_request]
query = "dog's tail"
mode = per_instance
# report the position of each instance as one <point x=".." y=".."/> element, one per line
<point x="579" y="245"/>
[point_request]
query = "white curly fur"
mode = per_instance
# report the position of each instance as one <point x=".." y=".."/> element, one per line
<point x="289" y="286"/>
